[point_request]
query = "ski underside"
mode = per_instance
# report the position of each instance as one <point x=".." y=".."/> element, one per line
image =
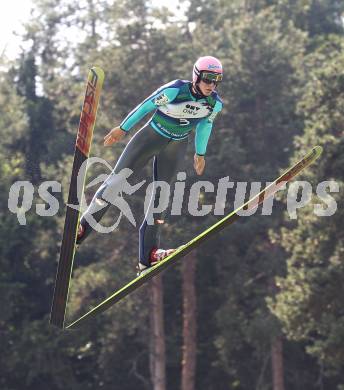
<point x="81" y="153"/>
<point x="267" y="192"/>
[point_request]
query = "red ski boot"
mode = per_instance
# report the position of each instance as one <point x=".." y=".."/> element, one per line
<point x="155" y="257"/>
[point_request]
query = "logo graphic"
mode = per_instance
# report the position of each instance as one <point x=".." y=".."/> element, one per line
<point x="190" y="109"/>
<point x="110" y="192"/>
<point x="161" y="100"/>
<point x="207" y="106"/>
<point x="183" y="122"/>
<point x="158" y="195"/>
<point x="212" y="116"/>
<point x="88" y="114"/>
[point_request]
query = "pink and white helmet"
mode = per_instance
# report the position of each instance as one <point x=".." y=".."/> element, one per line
<point x="206" y="64"/>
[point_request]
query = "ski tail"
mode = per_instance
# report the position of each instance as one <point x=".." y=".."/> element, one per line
<point x="81" y="153"/>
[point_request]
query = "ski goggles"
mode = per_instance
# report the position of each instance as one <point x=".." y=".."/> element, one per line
<point x="210" y="77"/>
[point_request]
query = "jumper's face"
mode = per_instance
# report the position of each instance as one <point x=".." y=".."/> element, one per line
<point x="207" y="88"/>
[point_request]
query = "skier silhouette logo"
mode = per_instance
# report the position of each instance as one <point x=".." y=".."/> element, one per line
<point x="114" y="186"/>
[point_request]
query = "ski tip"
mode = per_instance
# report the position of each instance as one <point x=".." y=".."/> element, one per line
<point x="99" y="71"/>
<point x="318" y="150"/>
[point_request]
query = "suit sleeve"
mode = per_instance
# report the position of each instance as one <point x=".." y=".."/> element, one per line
<point x="155" y="100"/>
<point x="203" y="130"/>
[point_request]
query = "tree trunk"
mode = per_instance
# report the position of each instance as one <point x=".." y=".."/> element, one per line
<point x="157" y="344"/>
<point x="277" y="363"/>
<point x="189" y="322"/>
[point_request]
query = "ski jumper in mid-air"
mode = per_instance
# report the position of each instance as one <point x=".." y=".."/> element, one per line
<point x="179" y="107"/>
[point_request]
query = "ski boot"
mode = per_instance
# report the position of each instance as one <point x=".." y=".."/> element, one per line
<point x="80" y="235"/>
<point x="156" y="255"/>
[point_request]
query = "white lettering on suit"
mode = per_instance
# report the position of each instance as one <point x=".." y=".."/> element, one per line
<point x="186" y="110"/>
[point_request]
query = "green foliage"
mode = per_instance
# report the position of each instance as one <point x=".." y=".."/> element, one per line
<point x="282" y="92"/>
<point x="309" y="301"/>
<point x="316" y="17"/>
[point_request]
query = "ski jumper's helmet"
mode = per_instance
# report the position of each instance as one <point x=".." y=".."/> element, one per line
<point x="207" y="64"/>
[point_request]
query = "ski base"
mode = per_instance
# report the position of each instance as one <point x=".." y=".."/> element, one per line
<point x="81" y="153"/>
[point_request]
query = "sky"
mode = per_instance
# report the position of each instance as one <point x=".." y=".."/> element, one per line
<point x="18" y="11"/>
<point x="11" y="17"/>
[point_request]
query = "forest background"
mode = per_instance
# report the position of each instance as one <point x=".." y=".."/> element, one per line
<point x="260" y="306"/>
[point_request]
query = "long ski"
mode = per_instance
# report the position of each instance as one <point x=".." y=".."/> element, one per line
<point x="82" y="149"/>
<point x="267" y="192"/>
